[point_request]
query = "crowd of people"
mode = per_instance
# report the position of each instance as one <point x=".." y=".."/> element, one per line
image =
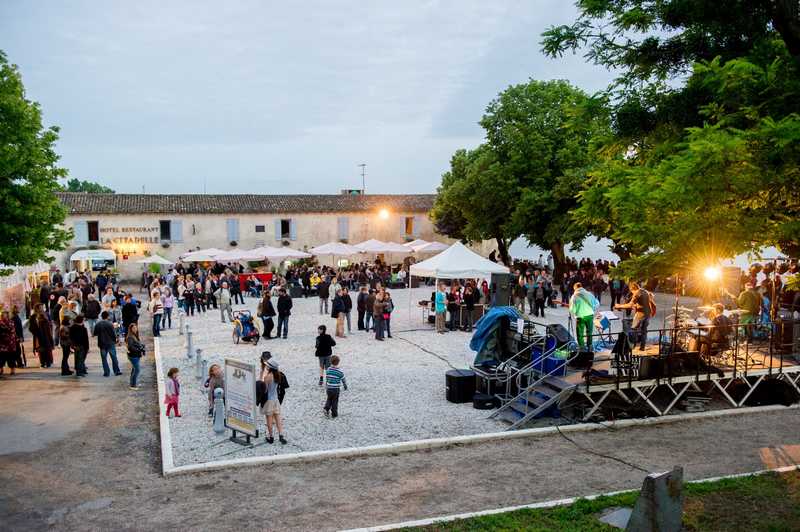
<point x="70" y="312"/>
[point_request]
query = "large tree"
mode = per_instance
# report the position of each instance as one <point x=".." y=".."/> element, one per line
<point x="474" y="200"/>
<point x="543" y="134"/>
<point x="31" y="213"/>
<point x="703" y="163"/>
<point x="76" y="185"/>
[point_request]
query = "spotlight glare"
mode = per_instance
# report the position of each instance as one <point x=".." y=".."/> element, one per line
<point x="383" y="214"/>
<point x="712" y="273"/>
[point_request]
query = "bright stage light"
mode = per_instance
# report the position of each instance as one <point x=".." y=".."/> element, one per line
<point x="712" y="273"/>
<point x="383" y="214"/>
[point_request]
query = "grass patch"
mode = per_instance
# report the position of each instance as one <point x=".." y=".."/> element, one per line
<point x="769" y="502"/>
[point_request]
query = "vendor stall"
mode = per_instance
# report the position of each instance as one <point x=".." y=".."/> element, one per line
<point x="93" y="260"/>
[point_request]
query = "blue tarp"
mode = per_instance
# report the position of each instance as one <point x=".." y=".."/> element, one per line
<point x="487" y="325"/>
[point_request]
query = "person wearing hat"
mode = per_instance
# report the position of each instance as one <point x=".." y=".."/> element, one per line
<point x="272" y="406"/>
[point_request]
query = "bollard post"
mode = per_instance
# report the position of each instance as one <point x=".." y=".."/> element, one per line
<point x="219" y="411"/>
<point x="189" y="346"/>
<point x="181" y="321"/>
<point x="198" y="364"/>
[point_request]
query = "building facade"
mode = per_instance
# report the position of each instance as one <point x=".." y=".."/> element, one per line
<point x="137" y="225"/>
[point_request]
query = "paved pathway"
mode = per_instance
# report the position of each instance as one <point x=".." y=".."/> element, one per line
<point x="87" y="457"/>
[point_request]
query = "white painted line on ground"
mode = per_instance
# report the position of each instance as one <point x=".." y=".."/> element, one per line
<point x="167" y="463"/>
<point x="548" y="504"/>
<point x="433" y="443"/>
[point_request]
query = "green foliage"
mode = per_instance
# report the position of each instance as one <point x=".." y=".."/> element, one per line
<point x="703" y="163"/>
<point x="76" y="185"/>
<point x="32" y="214"/>
<point x="522" y="181"/>
<point x="543" y="134"/>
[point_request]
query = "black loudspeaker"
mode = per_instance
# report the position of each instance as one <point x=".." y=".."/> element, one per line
<point x="459" y="385"/>
<point x="500" y="289"/>
<point x="651" y="368"/>
<point x="561" y="334"/>
<point x="784" y="333"/>
<point x="584" y="359"/>
<point x="481" y="401"/>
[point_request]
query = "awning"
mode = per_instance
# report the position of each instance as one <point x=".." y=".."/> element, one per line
<point x="334" y="248"/>
<point x="93" y="254"/>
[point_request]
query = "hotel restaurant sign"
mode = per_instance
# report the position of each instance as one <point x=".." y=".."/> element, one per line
<point x="129" y="235"/>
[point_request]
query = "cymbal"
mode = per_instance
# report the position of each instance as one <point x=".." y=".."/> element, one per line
<point x="706" y="308"/>
<point x="684" y="309"/>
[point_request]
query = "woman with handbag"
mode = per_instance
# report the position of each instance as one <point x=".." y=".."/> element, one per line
<point x="135" y="353"/>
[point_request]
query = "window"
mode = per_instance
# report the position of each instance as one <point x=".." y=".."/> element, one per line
<point x="409" y="225"/>
<point x="93" y="230"/>
<point x="285" y="229"/>
<point x="343" y="228"/>
<point x="260" y="229"/>
<point x="165" y="228"/>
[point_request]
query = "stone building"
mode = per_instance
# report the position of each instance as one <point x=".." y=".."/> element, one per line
<point x="135" y="225"/>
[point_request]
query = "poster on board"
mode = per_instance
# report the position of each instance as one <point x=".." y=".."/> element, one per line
<point x="240" y="397"/>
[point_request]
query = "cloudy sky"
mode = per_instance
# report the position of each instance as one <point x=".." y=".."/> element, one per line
<point x="267" y="98"/>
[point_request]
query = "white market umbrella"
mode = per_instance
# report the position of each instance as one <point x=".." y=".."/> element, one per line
<point x="334" y="248"/>
<point x="393" y="247"/>
<point x="236" y="255"/>
<point x="432" y="247"/>
<point x="414" y="244"/>
<point x="370" y="246"/>
<point x="155" y="259"/>
<point x="280" y="254"/>
<point x="202" y="255"/>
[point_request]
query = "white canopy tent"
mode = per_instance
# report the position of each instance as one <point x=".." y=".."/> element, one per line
<point x="155" y="259"/>
<point x="335" y="248"/>
<point x="457" y="262"/>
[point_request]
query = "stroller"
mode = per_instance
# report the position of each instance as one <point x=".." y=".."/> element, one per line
<point x="245" y="329"/>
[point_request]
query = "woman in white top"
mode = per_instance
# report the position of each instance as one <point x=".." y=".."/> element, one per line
<point x="156" y="308"/>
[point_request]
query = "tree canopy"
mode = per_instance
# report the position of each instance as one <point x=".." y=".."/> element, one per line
<point x="703" y="162"/>
<point x="522" y="180"/>
<point x="29" y="174"/>
<point x="76" y="185"/>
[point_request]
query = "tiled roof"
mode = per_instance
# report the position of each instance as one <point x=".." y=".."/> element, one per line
<point x="84" y="203"/>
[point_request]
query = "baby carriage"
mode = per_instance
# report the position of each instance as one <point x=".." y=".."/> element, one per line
<point x="245" y="328"/>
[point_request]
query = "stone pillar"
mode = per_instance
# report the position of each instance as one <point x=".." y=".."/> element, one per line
<point x="198" y="363"/>
<point x="181" y="321"/>
<point x="189" y="346"/>
<point x="659" y="507"/>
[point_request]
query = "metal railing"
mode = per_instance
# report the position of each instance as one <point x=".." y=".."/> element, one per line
<point x="694" y="350"/>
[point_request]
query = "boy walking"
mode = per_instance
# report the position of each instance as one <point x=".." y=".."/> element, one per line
<point x="336" y="381"/>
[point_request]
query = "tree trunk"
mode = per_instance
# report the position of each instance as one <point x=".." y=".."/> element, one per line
<point x="786" y="18"/>
<point x="559" y="261"/>
<point x="502" y="250"/>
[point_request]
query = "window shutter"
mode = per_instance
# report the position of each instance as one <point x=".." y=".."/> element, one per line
<point x="176" y="230"/>
<point x="344" y="227"/>
<point x="417" y="223"/>
<point x="292" y="230"/>
<point x="81" y="233"/>
<point x="233" y="229"/>
<point x="402" y="227"/>
<point x="277" y="229"/>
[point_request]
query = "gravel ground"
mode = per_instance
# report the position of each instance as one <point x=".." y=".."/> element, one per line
<point x="396" y="389"/>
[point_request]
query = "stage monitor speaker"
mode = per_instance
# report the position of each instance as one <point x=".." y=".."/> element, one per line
<point x="785" y="333"/>
<point x="460" y="385"/>
<point x="500" y="289"/>
<point x="560" y="333"/>
<point x="583" y="360"/>
<point x="482" y="401"/>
